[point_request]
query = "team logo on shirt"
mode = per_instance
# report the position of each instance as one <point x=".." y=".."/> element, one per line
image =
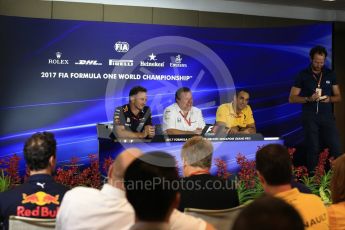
<point x="166" y="115"/>
<point x="179" y="119"/>
<point x="235" y="115"/>
<point x="40" y="198"/>
<point x="316" y="220"/>
<point x="117" y="120"/>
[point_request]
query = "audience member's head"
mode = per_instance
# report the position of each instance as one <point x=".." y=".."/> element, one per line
<point x="274" y="165"/>
<point x="117" y="170"/>
<point x="268" y="213"/>
<point x="337" y="181"/>
<point x="149" y="183"/>
<point x="196" y="153"/>
<point x="40" y="152"/>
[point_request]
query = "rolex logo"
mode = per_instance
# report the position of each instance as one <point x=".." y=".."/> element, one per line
<point x="58" y="55"/>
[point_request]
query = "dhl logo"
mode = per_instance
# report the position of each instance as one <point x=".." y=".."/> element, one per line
<point x="40" y="198"/>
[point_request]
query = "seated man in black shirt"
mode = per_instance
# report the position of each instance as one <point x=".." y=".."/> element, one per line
<point x="40" y="196"/>
<point x="133" y="120"/>
<point x="199" y="189"/>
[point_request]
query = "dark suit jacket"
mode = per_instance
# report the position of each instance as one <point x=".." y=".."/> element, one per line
<point x="205" y="191"/>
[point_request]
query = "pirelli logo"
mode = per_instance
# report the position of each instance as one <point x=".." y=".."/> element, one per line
<point x="117" y="62"/>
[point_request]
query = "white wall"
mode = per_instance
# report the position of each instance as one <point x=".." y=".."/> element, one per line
<point x="236" y="7"/>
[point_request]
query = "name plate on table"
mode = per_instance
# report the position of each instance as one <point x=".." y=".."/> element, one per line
<point x="230" y="137"/>
<point x="183" y="138"/>
<point x="105" y="131"/>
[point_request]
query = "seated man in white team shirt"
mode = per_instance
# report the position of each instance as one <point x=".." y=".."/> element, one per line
<point x="182" y="117"/>
<point x="108" y="208"/>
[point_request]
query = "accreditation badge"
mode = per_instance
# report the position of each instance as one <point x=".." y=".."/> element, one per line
<point x="318" y="91"/>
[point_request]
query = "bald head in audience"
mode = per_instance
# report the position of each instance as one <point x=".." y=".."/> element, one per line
<point x="117" y="170"/>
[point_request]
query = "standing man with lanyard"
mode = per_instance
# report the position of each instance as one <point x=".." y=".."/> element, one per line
<point x="317" y="89"/>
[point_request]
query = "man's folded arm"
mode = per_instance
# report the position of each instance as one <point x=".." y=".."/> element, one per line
<point x="121" y="132"/>
<point x="249" y="129"/>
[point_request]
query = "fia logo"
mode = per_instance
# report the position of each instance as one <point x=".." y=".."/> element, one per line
<point x="121" y="47"/>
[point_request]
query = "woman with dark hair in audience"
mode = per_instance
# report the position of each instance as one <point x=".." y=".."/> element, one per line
<point x="336" y="211"/>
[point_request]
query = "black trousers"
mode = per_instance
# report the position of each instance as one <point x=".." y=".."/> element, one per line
<point x="320" y="131"/>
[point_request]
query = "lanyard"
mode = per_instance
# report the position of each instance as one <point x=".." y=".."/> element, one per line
<point x="318" y="86"/>
<point x="318" y="81"/>
<point x="185" y="118"/>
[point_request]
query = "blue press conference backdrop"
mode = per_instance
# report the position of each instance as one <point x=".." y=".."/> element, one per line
<point x="65" y="76"/>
